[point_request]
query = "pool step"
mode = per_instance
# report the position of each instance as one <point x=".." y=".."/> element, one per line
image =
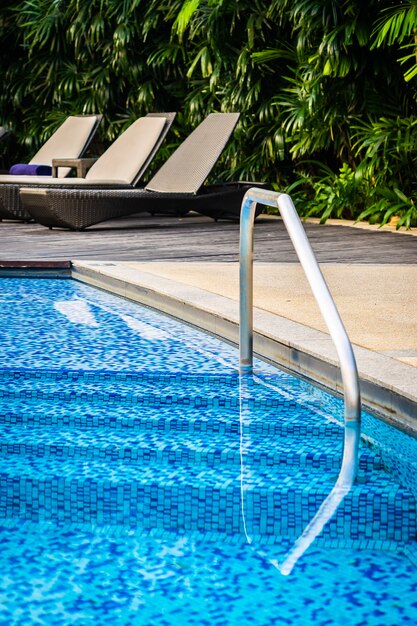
<point x="106" y="398"/>
<point x="277" y="502"/>
<point x="283" y="383"/>
<point x="163" y="450"/>
<point x="176" y="448"/>
<point x="267" y="421"/>
<point x="149" y="389"/>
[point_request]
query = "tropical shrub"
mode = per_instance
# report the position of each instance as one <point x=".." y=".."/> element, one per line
<point x="324" y="81"/>
<point x="325" y="193"/>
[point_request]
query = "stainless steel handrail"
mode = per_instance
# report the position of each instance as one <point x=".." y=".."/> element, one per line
<point x="324" y="300"/>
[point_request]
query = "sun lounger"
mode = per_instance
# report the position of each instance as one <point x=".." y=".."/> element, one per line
<point x="3" y="133"/>
<point x="176" y="188"/>
<point x="121" y="165"/>
<point x="71" y="139"/>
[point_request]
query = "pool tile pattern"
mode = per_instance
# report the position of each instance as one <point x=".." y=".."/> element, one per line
<point x="124" y="435"/>
<point x="136" y="579"/>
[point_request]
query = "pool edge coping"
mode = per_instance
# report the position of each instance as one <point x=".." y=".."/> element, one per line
<point x="310" y="353"/>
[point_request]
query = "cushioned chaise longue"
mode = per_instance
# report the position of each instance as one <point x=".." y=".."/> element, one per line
<point x="121" y="166"/>
<point x="3" y="133"/>
<point x="71" y="139"/>
<point x="176" y="188"/>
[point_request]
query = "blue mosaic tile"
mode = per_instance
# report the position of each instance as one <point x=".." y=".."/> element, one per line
<point x="81" y="327"/>
<point x="132" y="579"/>
<point x="174" y="447"/>
<point x="132" y="432"/>
<point x="278" y="500"/>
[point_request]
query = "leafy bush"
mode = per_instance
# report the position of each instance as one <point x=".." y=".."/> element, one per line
<point x="318" y="81"/>
<point x="326" y="194"/>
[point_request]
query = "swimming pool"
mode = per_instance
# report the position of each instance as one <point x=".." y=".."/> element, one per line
<point x="131" y="468"/>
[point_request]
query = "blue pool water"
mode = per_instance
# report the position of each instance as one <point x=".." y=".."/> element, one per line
<point x="133" y="461"/>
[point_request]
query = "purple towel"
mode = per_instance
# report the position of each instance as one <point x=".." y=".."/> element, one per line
<point x="21" y="169"/>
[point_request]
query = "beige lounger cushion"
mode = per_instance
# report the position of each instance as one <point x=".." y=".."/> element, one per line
<point x="123" y="159"/>
<point x="188" y="167"/>
<point x="59" y="182"/>
<point x="117" y="166"/>
<point x="67" y="141"/>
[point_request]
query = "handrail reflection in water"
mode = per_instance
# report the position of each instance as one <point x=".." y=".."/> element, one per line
<point x="325" y="512"/>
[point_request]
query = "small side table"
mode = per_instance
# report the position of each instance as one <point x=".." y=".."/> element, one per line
<point x="81" y="165"/>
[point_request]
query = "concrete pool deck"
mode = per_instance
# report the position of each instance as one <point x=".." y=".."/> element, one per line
<point x="378" y="308"/>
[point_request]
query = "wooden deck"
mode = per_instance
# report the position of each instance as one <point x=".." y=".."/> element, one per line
<point x="195" y="238"/>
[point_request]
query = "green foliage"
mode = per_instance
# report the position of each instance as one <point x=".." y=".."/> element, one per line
<point x="324" y="193"/>
<point x="398" y="25"/>
<point x="391" y="204"/>
<point x="388" y="147"/>
<point x="326" y="82"/>
<point x="389" y="159"/>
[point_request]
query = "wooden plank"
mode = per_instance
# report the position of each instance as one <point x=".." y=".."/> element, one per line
<point x="162" y="238"/>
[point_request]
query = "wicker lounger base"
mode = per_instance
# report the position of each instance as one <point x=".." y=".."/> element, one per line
<point x="10" y="205"/>
<point x="77" y="209"/>
<point x="223" y="202"/>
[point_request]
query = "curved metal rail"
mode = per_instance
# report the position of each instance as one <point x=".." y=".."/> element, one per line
<point x="324" y="300"/>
